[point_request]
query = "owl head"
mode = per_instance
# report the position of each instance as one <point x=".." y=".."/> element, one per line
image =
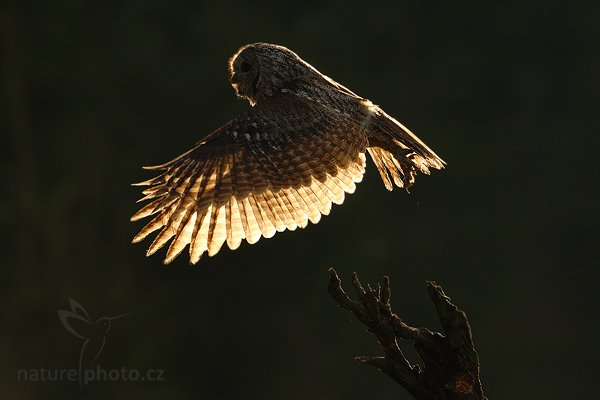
<point x="260" y="70"/>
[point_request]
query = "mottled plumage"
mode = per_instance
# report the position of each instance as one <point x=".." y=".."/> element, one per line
<point x="282" y="163"/>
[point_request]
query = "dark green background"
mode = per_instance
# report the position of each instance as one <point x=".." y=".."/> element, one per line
<point x="505" y="93"/>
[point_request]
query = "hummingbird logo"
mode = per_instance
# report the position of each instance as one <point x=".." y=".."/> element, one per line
<point x="92" y="333"/>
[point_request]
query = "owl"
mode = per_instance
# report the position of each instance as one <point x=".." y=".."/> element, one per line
<point x="297" y="150"/>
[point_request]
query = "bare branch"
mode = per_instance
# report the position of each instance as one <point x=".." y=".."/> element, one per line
<point x="450" y="365"/>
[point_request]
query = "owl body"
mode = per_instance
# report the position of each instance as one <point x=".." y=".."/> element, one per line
<point x="279" y="165"/>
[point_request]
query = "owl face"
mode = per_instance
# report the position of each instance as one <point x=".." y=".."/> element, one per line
<point x="244" y="73"/>
<point x="260" y="70"/>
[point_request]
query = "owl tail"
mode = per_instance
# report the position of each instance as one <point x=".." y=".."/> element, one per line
<point x="391" y="169"/>
<point x="399" y="153"/>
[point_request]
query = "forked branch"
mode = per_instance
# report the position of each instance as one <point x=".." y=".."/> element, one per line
<point x="450" y="366"/>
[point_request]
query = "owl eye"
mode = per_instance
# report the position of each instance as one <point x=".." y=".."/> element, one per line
<point x="246" y="66"/>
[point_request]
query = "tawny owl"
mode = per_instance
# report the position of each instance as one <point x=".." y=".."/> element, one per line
<point x="282" y="163"/>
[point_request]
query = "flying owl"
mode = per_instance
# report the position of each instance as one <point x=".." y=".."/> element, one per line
<point x="282" y="163"/>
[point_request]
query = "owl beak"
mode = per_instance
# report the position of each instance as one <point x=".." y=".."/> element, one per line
<point x="235" y="83"/>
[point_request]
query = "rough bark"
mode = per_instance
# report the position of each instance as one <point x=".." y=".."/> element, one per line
<point x="450" y="365"/>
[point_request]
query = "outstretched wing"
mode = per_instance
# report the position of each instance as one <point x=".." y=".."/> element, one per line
<point x="275" y="167"/>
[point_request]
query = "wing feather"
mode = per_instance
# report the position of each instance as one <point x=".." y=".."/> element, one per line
<point x="199" y="244"/>
<point x="313" y="209"/>
<point x="289" y="215"/>
<point x="300" y="216"/>
<point x="218" y="232"/>
<point x="235" y="228"/>
<point x="274" y="209"/>
<point x="183" y="237"/>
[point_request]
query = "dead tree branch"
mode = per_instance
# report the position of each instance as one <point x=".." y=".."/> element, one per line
<point x="450" y="366"/>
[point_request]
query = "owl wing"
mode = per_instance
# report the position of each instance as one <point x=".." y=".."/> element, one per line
<point x="275" y="167"/>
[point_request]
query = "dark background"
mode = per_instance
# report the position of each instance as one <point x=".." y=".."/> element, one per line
<point x="505" y="93"/>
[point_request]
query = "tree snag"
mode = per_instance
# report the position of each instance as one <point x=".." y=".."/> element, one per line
<point x="450" y="366"/>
